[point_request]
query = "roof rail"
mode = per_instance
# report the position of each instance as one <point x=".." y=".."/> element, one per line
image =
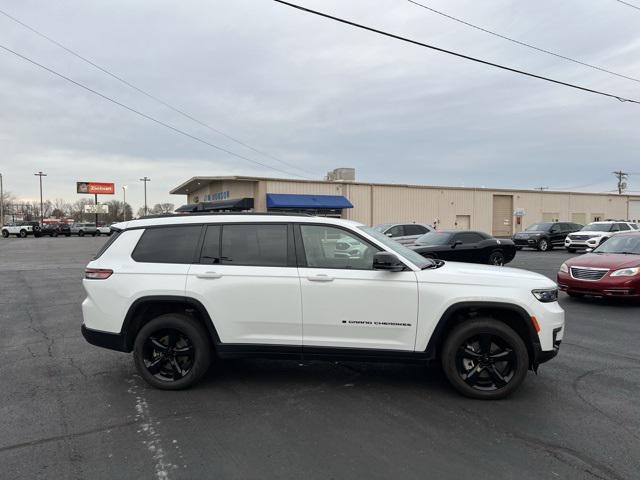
<point x="196" y="214"/>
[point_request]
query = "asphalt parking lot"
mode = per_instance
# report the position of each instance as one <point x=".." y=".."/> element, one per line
<point x="71" y="410"/>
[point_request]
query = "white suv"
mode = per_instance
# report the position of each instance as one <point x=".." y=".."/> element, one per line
<point x="179" y="291"/>
<point x="595" y="233"/>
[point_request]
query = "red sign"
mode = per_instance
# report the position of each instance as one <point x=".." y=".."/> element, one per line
<point x="96" y="188"/>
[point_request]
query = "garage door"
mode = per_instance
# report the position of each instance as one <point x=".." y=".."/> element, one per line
<point x="580" y="218"/>
<point x="634" y="210"/>
<point x="502" y="215"/>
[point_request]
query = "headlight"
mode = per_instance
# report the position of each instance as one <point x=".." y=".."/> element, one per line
<point x="626" y="272"/>
<point x="564" y="268"/>
<point x="546" y="295"/>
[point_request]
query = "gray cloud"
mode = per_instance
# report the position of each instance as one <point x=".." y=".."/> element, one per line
<point x="318" y="94"/>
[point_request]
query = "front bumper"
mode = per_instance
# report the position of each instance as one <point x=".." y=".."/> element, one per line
<point x="607" y="286"/>
<point x="580" y="244"/>
<point x="542" y="356"/>
<point x="525" y="242"/>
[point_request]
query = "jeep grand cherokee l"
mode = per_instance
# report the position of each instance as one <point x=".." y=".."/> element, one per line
<point x="181" y="291"/>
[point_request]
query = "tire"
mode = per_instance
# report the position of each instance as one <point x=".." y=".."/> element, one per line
<point x="81" y="233"/>
<point x="496" y="258"/>
<point x="54" y="234"/>
<point x="543" y="245"/>
<point x="518" y="248"/>
<point x="5" y="233"/>
<point x="190" y="335"/>
<point x="571" y="250"/>
<point x="22" y="234"/>
<point x="483" y="384"/>
<point x="97" y="234"/>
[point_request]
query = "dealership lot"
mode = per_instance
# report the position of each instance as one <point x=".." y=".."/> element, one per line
<point x="70" y="410"/>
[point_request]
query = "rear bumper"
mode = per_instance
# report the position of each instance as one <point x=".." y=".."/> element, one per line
<point x="112" y="341"/>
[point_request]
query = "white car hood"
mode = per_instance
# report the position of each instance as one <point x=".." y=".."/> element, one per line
<point x="487" y="275"/>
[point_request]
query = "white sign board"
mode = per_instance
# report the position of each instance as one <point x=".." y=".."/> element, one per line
<point x="518" y="212"/>
<point x="100" y="208"/>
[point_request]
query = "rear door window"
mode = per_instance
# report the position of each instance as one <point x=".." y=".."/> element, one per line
<point x="255" y="244"/>
<point x="414" y="230"/>
<point x="397" y="231"/>
<point x="168" y="244"/>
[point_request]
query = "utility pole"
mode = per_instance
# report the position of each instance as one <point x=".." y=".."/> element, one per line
<point x="40" y="174"/>
<point x="1" y="203"/>
<point x="542" y="189"/>
<point x="622" y="184"/>
<point x="124" y="203"/>
<point x="145" y="180"/>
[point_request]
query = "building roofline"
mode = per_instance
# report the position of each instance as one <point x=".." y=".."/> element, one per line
<point x="183" y="190"/>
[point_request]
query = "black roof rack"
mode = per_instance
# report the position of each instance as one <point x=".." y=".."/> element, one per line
<point x="198" y="214"/>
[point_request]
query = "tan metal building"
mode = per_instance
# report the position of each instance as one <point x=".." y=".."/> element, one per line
<point x="497" y="211"/>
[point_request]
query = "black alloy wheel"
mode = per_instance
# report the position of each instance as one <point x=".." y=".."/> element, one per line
<point x="172" y="351"/>
<point x="5" y="233"/>
<point x="485" y="359"/>
<point x="486" y="362"/>
<point x="496" y="258"/>
<point x="23" y="234"/>
<point x="168" y="355"/>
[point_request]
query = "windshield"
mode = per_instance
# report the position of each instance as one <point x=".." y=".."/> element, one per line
<point x="597" y="227"/>
<point x="620" y="244"/>
<point x="539" y="227"/>
<point x="382" y="227"/>
<point x="415" y="258"/>
<point x="434" y="238"/>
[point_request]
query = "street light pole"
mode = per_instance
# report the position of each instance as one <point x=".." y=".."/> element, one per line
<point x="145" y="180"/>
<point x="124" y="202"/>
<point x="1" y="203"/>
<point x="40" y="174"/>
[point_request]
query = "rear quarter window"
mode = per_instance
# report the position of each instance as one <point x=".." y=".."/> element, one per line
<point x="114" y="236"/>
<point x="175" y="244"/>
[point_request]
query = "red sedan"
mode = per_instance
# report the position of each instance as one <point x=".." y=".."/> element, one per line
<point x="611" y="270"/>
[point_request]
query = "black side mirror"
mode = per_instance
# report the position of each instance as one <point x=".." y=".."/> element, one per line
<point x="456" y="243"/>
<point x="387" y="261"/>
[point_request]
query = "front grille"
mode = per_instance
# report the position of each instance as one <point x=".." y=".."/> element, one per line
<point x="579" y="237"/>
<point x="584" y="273"/>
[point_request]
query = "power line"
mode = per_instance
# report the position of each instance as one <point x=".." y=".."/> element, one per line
<point x="456" y="54"/>
<point x="628" y="4"/>
<point x="144" y="115"/>
<point x="513" y="40"/>
<point x="147" y="94"/>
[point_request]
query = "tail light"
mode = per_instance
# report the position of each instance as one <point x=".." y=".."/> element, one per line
<point x="98" y="273"/>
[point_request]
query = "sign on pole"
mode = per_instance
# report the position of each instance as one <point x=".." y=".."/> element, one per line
<point x="99" y="208"/>
<point x="96" y="188"/>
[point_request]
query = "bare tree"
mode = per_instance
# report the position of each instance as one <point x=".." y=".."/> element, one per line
<point x="162" y="208"/>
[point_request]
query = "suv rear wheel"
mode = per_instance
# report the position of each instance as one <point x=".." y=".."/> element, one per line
<point x="172" y="351"/>
<point x="485" y="359"/>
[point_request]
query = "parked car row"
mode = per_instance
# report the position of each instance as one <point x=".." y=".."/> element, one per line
<point x="25" y="229"/>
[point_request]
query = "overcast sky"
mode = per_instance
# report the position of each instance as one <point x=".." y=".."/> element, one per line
<point x="318" y="94"/>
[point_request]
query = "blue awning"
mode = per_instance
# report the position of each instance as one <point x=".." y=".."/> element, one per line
<point x="312" y="202"/>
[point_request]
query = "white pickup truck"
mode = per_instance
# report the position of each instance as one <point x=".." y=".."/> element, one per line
<point x="21" y="229"/>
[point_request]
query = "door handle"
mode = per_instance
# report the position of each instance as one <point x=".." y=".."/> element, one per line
<point x="209" y="275"/>
<point x="321" y="277"/>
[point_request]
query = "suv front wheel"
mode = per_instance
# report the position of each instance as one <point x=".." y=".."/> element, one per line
<point x="485" y="359"/>
<point x="172" y="351"/>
